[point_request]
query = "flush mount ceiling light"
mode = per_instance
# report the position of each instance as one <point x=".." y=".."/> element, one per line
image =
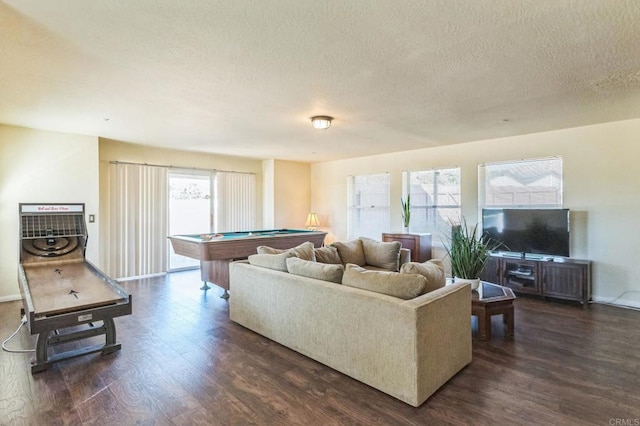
<point x="321" y="122"/>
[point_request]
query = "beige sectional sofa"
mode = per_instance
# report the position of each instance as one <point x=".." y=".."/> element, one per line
<point x="405" y="348"/>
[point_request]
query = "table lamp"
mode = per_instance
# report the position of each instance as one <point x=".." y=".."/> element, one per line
<point x="312" y="222"/>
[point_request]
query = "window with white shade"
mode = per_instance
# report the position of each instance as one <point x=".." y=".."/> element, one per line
<point x="523" y="183"/>
<point x="435" y="200"/>
<point x="369" y="209"/>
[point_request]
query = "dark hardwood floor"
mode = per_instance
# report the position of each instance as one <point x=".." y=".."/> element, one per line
<point x="183" y="362"/>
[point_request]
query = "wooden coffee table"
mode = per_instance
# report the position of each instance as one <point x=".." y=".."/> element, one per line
<point x="492" y="299"/>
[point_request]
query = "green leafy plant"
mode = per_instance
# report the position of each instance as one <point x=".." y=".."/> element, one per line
<point x="469" y="250"/>
<point x="406" y="211"/>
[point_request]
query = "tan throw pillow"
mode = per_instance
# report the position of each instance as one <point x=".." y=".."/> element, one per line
<point x="382" y="255"/>
<point x="302" y="251"/>
<point x="350" y="252"/>
<point x="404" y="286"/>
<point x="327" y="255"/>
<point x="432" y="270"/>
<point x="271" y="261"/>
<point x="319" y="271"/>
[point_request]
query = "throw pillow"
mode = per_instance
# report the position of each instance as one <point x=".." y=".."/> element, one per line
<point x="319" y="271"/>
<point x="271" y="261"/>
<point x="303" y="251"/>
<point x="432" y="270"/>
<point x="382" y="255"/>
<point x="327" y="254"/>
<point x="350" y="252"/>
<point x="404" y="286"/>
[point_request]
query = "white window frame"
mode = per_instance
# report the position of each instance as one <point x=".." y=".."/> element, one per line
<point x="196" y="173"/>
<point x="371" y="218"/>
<point x="438" y="228"/>
<point x="484" y="170"/>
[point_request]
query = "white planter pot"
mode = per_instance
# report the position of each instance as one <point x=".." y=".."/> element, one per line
<point x="475" y="283"/>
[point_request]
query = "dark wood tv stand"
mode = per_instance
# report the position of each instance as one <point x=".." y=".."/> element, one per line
<point x="554" y="277"/>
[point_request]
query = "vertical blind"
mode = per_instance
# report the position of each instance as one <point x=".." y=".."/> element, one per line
<point x="137" y="242"/>
<point x="235" y="208"/>
<point x="138" y="220"/>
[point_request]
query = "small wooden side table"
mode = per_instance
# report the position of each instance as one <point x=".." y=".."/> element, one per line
<point x="492" y="299"/>
<point x="419" y="244"/>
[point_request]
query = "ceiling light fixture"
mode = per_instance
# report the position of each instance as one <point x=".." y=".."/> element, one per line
<point x="321" y="122"/>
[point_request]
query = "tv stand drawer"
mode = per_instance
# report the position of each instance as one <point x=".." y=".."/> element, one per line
<point x="558" y="278"/>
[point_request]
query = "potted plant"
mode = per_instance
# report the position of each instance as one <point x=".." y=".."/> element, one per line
<point x="406" y="213"/>
<point x="468" y="252"/>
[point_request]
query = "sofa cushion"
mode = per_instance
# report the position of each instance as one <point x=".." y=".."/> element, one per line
<point x="350" y="252"/>
<point x="327" y="254"/>
<point x="432" y="270"/>
<point x="404" y="286"/>
<point x="271" y="261"/>
<point x="319" y="271"/>
<point x="385" y="255"/>
<point x="303" y="251"/>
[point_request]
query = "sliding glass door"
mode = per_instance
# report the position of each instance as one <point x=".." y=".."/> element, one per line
<point x="190" y="210"/>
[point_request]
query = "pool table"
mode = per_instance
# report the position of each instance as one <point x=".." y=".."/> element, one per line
<point x="215" y="251"/>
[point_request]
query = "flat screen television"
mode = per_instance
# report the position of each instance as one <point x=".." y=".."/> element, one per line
<point x="529" y="231"/>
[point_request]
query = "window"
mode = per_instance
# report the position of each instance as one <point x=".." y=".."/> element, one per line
<point x="435" y="200"/>
<point x="147" y="202"/>
<point x="525" y="183"/>
<point x="369" y="213"/>
<point x="190" y="210"/>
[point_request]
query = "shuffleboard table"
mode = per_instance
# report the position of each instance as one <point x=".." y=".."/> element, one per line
<point x="216" y="251"/>
<point x="64" y="296"/>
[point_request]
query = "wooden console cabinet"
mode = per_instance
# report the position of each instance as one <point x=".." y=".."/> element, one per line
<point x="419" y="244"/>
<point x="560" y="278"/>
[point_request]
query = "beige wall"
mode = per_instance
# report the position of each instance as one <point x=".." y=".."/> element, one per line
<point x="268" y="194"/>
<point x="110" y="150"/>
<point x="287" y="194"/>
<point x="601" y="187"/>
<point x="292" y="191"/>
<point x="39" y="166"/>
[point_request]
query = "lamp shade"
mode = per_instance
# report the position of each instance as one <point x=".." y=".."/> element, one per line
<point x="312" y="222"/>
<point x="321" y="122"/>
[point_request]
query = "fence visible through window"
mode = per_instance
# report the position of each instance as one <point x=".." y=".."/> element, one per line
<point x="435" y="200"/>
<point x="369" y="210"/>
<point x="523" y="183"/>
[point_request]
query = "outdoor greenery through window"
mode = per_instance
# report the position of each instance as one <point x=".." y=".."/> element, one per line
<point x="369" y="209"/>
<point x="435" y="200"/>
<point x="525" y="183"/>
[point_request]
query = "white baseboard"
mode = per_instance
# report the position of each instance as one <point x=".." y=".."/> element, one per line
<point x="139" y="277"/>
<point x="627" y="302"/>
<point x="10" y="298"/>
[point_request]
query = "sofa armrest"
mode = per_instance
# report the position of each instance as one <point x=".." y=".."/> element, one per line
<point x="405" y="256"/>
<point x="443" y="340"/>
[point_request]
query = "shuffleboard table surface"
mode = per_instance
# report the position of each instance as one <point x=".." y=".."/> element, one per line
<point x="61" y="287"/>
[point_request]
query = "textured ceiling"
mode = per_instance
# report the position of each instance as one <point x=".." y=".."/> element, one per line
<point x="242" y="77"/>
